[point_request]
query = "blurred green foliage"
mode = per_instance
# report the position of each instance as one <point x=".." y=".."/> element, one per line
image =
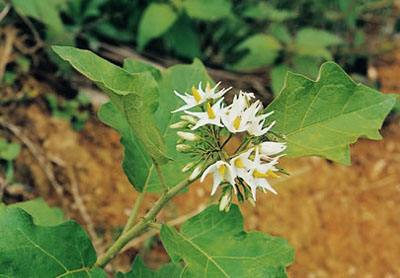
<point x="8" y="153"/>
<point x="237" y="35"/>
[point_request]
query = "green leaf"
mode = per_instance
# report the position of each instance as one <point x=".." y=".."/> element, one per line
<point x="139" y="270"/>
<point x="278" y="75"/>
<point x="208" y="10"/>
<point x="325" y="116"/>
<point x="314" y="42"/>
<point x="183" y="39"/>
<point x="28" y="250"/>
<point x="134" y="95"/>
<point x="262" y="51"/>
<point x="137" y="164"/>
<point x="213" y="244"/>
<point x="135" y="66"/>
<point x="266" y="11"/>
<point x="41" y="213"/>
<point x="47" y="12"/>
<point x="156" y="20"/>
<point x="9" y="151"/>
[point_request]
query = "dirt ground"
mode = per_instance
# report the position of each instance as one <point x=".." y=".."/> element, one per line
<point x="342" y="221"/>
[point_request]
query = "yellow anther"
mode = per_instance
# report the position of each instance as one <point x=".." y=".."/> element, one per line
<point x="210" y="111"/>
<point x="236" y="122"/>
<point x="269" y="174"/>
<point x="208" y="87"/>
<point x="259" y="175"/>
<point x="272" y="174"/>
<point x="239" y="163"/>
<point x="196" y="94"/>
<point x="222" y="170"/>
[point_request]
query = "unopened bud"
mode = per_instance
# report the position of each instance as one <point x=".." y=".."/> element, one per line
<point x="187" y="167"/>
<point x="180" y="124"/>
<point x="183" y="148"/>
<point x="225" y="202"/>
<point x="196" y="172"/>
<point x="188" y="136"/>
<point x="189" y="118"/>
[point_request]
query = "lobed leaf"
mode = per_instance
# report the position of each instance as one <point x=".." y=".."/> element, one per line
<point x="325" y="116"/>
<point x="137" y="164"/>
<point x="41" y="213"/>
<point x="139" y="270"/>
<point x="135" y="96"/>
<point x="213" y="244"/>
<point x="28" y="250"/>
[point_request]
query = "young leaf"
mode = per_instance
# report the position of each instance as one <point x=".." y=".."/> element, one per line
<point x="139" y="270"/>
<point x="9" y="151"/>
<point x="156" y="20"/>
<point x="213" y="244"/>
<point x="262" y="51"/>
<point x="137" y="164"/>
<point x="208" y="10"/>
<point x="325" y="116"/>
<point x="134" y="95"/>
<point x="28" y="250"/>
<point x="41" y="213"/>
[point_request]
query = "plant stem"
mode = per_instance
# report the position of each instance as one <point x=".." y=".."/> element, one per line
<point x="142" y="225"/>
<point x="160" y="175"/>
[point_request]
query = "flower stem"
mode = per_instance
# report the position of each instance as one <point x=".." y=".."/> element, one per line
<point x="160" y="175"/>
<point x="142" y="225"/>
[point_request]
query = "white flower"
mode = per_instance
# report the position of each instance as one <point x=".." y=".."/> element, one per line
<point x="241" y="163"/>
<point x="234" y="116"/>
<point x="271" y="148"/>
<point x="199" y="96"/>
<point x="212" y="115"/>
<point x="258" y="174"/>
<point x="221" y="171"/>
<point x="212" y="93"/>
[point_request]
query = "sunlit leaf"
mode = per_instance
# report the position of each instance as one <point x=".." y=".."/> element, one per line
<point x="208" y="10"/>
<point x="156" y="20"/>
<point x="262" y="50"/>
<point x="134" y="95"/>
<point x="214" y="244"/>
<point x="314" y="42"/>
<point x="325" y="116"/>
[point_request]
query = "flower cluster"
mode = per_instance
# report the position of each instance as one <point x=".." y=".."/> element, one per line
<point x="209" y="127"/>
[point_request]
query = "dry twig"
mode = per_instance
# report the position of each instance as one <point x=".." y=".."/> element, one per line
<point x="10" y="35"/>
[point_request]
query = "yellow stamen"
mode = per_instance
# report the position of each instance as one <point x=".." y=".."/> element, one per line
<point x="210" y="111"/>
<point x="208" y="87"/>
<point x="239" y="163"/>
<point x="269" y="174"/>
<point x="272" y="174"/>
<point x="196" y="94"/>
<point x="236" y="122"/>
<point x="222" y="170"/>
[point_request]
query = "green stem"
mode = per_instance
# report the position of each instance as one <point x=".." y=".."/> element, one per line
<point x="142" y="225"/>
<point x="160" y="175"/>
<point x="135" y="210"/>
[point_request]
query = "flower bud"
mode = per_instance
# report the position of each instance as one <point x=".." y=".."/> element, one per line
<point x="183" y="148"/>
<point x="180" y="124"/>
<point x="196" y="172"/>
<point x="189" y="119"/>
<point x="188" y="136"/>
<point x="225" y="202"/>
<point x="187" y="167"/>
